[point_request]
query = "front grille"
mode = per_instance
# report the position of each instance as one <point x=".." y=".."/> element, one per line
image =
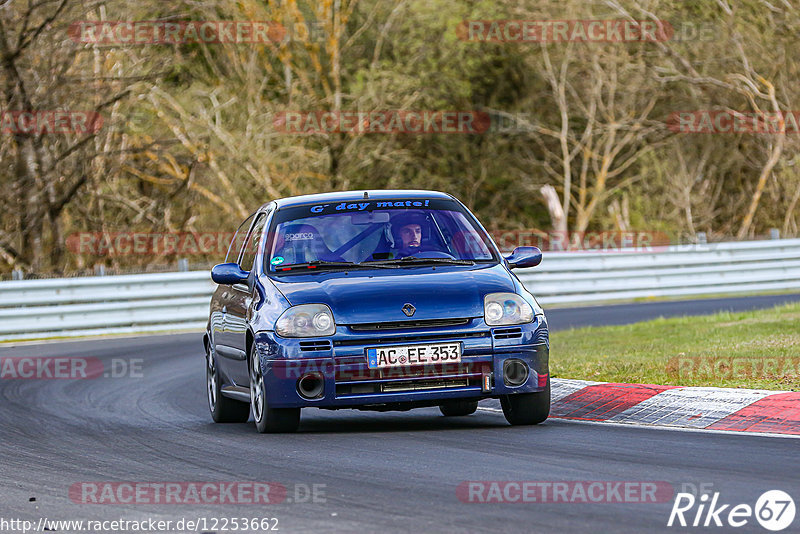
<point x="354" y="371"/>
<point x="353" y="377"/>
<point x="400" y="325"/>
<point x="542" y="335"/>
<point x="320" y="344"/>
<point x="440" y="383"/>
<point x="410" y="338"/>
<point x="507" y="333"/>
<point x="371" y="388"/>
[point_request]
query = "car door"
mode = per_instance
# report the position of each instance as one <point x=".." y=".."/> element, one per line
<point x="222" y="297"/>
<point x="241" y="298"/>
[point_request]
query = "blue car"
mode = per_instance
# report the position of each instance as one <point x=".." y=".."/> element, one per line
<point x="372" y="300"/>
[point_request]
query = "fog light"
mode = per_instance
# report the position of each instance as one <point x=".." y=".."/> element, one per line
<point x="311" y="385"/>
<point x="515" y="372"/>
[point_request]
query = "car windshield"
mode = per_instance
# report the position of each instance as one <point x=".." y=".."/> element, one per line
<point x="375" y="232"/>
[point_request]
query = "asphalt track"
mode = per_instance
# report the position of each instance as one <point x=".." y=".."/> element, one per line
<point x="391" y="472"/>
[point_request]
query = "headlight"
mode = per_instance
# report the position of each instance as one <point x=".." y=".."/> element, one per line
<point x="501" y="309"/>
<point x="306" y="320"/>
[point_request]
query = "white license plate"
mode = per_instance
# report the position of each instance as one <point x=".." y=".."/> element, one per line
<point x="404" y="355"/>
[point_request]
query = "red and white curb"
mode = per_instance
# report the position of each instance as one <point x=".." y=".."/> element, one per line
<point x="743" y="410"/>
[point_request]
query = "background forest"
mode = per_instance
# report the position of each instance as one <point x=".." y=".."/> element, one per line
<point x="579" y="142"/>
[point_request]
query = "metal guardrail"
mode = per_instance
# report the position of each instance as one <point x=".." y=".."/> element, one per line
<point x="683" y="270"/>
<point x="70" y="307"/>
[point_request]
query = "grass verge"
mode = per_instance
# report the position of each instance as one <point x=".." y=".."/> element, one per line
<point x="757" y="349"/>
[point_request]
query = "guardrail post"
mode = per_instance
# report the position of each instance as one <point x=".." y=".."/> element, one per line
<point x="183" y="265"/>
<point x="100" y="270"/>
<point x="701" y="238"/>
<point x="17" y="274"/>
<point x="774" y="233"/>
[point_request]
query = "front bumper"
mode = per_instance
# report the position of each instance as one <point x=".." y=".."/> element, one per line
<point x="340" y="362"/>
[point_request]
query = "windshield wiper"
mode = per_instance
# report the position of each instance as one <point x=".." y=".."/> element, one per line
<point x="408" y="260"/>
<point x="316" y="264"/>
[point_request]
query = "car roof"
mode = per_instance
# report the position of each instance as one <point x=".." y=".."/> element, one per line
<point x="354" y="196"/>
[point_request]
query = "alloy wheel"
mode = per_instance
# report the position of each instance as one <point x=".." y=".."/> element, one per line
<point x="257" y="390"/>
<point x="211" y="380"/>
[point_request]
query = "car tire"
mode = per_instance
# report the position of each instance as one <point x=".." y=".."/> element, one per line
<point x="458" y="408"/>
<point x="223" y="409"/>
<point x="527" y="408"/>
<point x="269" y="420"/>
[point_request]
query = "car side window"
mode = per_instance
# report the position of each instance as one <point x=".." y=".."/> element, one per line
<point x="238" y="239"/>
<point x="248" y="255"/>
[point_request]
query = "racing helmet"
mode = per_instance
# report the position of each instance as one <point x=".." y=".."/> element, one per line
<point x="404" y="218"/>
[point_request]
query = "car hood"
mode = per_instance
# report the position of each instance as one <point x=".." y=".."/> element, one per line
<point x="444" y="292"/>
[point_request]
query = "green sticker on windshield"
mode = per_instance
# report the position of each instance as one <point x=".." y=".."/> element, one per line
<point x="277" y="260"/>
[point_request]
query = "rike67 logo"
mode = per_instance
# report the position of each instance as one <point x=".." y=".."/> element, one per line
<point x="774" y="510"/>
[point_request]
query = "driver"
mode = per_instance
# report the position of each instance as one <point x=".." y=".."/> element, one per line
<point x="408" y="229"/>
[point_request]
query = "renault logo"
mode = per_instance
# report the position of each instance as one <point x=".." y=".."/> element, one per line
<point x="409" y="310"/>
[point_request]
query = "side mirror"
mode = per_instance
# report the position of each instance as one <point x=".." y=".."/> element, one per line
<point x="524" y="257"/>
<point x="228" y="274"/>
